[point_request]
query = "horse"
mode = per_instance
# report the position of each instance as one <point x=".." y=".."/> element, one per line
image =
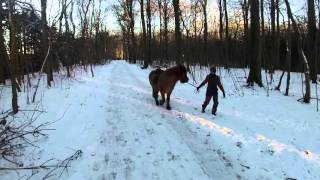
<point x="164" y="81"/>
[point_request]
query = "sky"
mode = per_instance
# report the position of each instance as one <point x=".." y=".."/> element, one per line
<point x="110" y="21"/>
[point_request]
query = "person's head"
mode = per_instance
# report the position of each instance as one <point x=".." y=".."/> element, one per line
<point x="213" y="70"/>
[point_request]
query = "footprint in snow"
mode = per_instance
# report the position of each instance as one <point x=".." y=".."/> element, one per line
<point x="106" y="159"/>
<point x="172" y="157"/>
<point x="150" y="131"/>
<point x="155" y="176"/>
<point x="112" y="175"/>
<point x="96" y="166"/>
<point x="239" y="144"/>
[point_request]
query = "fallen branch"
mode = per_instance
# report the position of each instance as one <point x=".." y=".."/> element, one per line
<point x="64" y="164"/>
<point x="35" y="110"/>
<point x="52" y="168"/>
<point x="302" y="99"/>
<point x="15" y="136"/>
<point x="245" y="166"/>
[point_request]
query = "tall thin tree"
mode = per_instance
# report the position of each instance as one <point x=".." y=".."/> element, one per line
<point x="3" y="52"/>
<point x="148" y="10"/>
<point x="311" y="40"/>
<point x="302" y="55"/>
<point x="13" y="55"/>
<point x="254" y="45"/>
<point x="45" y="41"/>
<point x="176" y="8"/>
<point x="144" y="34"/>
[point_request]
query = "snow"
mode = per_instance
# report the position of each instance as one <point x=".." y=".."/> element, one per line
<point x="113" y="119"/>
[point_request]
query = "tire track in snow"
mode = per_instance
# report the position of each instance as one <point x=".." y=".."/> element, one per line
<point x="117" y="167"/>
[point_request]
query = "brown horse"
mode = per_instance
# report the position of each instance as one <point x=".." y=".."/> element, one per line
<point x="164" y="81"/>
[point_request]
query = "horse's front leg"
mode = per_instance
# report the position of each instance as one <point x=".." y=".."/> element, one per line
<point x="163" y="98"/>
<point x="155" y="96"/>
<point x="168" y="101"/>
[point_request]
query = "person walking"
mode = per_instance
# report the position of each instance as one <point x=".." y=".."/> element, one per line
<point x="214" y="82"/>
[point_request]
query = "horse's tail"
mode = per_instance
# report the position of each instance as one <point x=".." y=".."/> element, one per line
<point x="154" y="76"/>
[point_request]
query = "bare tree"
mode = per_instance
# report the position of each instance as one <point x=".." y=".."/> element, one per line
<point x="4" y="58"/>
<point x="130" y="13"/>
<point x="254" y="44"/>
<point x="270" y="64"/>
<point x="13" y="56"/>
<point x="311" y="40"/>
<point x="302" y="56"/>
<point x="245" y="14"/>
<point x="160" y="29"/>
<point x="226" y="32"/>
<point x="220" y="19"/>
<point x="144" y="34"/>
<point x="204" y="4"/>
<point x="44" y="41"/>
<point x="288" y="57"/>
<point x="148" y="10"/>
<point x="176" y="8"/>
<point x="166" y="21"/>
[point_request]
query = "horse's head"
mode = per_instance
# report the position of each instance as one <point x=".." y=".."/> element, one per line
<point x="183" y="73"/>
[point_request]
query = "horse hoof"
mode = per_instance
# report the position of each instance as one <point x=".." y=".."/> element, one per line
<point x="169" y="108"/>
<point x="157" y="103"/>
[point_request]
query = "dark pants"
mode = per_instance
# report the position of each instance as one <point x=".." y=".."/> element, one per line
<point x="207" y="101"/>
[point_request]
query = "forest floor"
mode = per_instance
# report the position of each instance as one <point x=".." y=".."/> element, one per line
<point x="113" y="119"/>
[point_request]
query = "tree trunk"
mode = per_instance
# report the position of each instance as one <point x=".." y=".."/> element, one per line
<point x="205" y="30"/>
<point x="227" y="34"/>
<point x="3" y="52"/>
<point x="132" y="34"/>
<point x="245" y="9"/>
<point x="144" y="35"/>
<point x="311" y="40"/>
<point x="176" y="8"/>
<point x="254" y="45"/>
<point x="13" y="57"/>
<point x="166" y="19"/>
<point x="262" y="48"/>
<point x="280" y="81"/>
<point x="45" y="42"/>
<point x="288" y="57"/>
<point x="148" y="10"/>
<point x="277" y="45"/>
<point x="220" y="20"/>
<point x="270" y="64"/>
<point x="302" y="56"/>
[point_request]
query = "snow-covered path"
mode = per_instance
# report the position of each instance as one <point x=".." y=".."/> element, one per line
<point x="113" y="119"/>
<point x="143" y="141"/>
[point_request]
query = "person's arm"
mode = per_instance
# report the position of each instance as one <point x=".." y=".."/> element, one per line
<point x="221" y="88"/>
<point x="203" y="83"/>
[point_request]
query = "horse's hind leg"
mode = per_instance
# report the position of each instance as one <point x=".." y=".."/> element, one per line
<point x="163" y="98"/>
<point x="168" y="101"/>
<point x="155" y="96"/>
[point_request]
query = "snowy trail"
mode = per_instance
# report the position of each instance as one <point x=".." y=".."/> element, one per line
<point x="213" y="164"/>
<point x="138" y="147"/>
<point x="143" y="141"/>
<point x="212" y="150"/>
<point x="208" y="160"/>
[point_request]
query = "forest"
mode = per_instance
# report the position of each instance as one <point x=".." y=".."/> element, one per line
<point x="257" y="34"/>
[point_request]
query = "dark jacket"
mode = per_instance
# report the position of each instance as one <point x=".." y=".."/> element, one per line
<point x="213" y="84"/>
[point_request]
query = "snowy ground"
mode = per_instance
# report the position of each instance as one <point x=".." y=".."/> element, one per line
<point x="113" y="119"/>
